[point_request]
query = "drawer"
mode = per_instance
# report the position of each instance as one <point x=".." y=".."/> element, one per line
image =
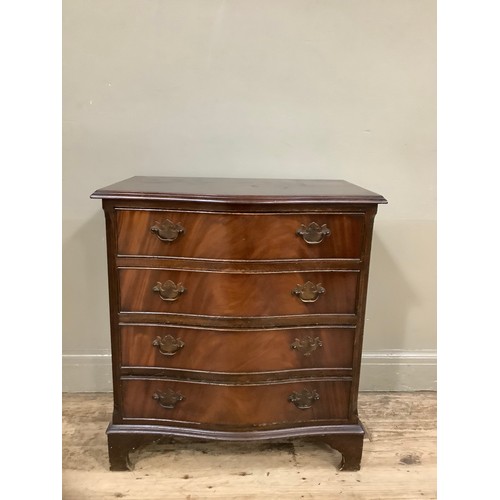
<point x="240" y="236"/>
<point x="238" y="294"/>
<point x="236" y="351"/>
<point x="235" y="406"/>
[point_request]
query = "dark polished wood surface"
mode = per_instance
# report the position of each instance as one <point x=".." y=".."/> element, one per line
<point x="219" y="294"/>
<point x="229" y="407"/>
<point x="237" y="309"/>
<point x="240" y="190"/>
<point x="255" y="236"/>
<point x="238" y="350"/>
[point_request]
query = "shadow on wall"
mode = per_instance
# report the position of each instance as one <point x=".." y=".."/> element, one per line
<point x="390" y="298"/>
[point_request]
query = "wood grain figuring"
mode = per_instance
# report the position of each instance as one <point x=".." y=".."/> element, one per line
<point x="230" y="407"/>
<point x="237" y="351"/>
<point x="217" y="294"/>
<point x="242" y="236"/>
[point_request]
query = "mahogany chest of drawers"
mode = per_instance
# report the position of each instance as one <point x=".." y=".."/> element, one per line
<point x="237" y="310"/>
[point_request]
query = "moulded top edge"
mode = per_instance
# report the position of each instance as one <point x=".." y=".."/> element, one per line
<point x="224" y="190"/>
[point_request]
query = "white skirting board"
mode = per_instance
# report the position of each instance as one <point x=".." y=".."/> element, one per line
<point x="399" y="371"/>
<point x="380" y="371"/>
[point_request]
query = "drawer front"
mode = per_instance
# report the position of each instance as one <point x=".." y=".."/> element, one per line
<point x="246" y="236"/>
<point x="238" y="294"/>
<point x="235" y="406"/>
<point x="236" y="351"/>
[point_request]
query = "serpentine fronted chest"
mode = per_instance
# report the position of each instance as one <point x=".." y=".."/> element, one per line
<point x="237" y="310"/>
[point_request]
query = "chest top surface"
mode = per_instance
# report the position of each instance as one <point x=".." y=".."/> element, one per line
<point x="238" y="190"/>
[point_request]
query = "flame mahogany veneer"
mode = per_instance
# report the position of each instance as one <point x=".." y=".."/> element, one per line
<point x="237" y="310"/>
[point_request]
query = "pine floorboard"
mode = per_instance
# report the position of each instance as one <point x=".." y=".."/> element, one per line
<point x="399" y="459"/>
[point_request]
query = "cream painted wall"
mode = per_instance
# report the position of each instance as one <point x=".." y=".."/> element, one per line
<point x="261" y="88"/>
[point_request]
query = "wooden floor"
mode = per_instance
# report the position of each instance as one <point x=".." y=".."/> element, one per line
<point x="399" y="460"/>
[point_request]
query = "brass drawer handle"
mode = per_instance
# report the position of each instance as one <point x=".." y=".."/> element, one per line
<point x="168" y="399"/>
<point x="169" y="291"/>
<point x="308" y="292"/>
<point x="168" y="345"/>
<point x="303" y="399"/>
<point x="167" y="230"/>
<point x="307" y="345"/>
<point x="313" y="233"/>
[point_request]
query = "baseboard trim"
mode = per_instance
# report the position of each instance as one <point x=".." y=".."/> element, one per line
<point x="392" y="370"/>
<point x="396" y="370"/>
<point x="87" y="373"/>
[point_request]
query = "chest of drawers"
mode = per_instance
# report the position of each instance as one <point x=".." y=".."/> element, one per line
<point x="237" y="310"/>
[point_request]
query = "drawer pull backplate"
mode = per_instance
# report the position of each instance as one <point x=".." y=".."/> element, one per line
<point x="313" y="233"/>
<point x="167" y="399"/>
<point x="306" y="346"/>
<point x="303" y="399"/>
<point x="308" y="292"/>
<point x="168" y="345"/>
<point x="167" y="230"/>
<point x="169" y="291"/>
